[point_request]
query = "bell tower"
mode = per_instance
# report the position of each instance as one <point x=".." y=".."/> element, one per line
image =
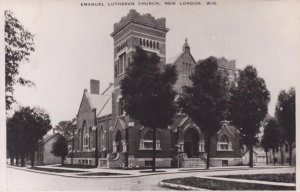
<point x="134" y="30"/>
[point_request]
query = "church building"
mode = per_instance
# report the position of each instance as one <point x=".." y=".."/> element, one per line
<point x="107" y="137"/>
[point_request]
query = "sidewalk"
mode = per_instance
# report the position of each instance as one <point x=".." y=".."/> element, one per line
<point x="120" y="173"/>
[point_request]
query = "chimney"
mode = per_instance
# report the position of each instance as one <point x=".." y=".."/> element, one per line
<point x="95" y="86"/>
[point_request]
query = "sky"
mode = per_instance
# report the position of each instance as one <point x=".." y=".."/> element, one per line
<point x="73" y="44"/>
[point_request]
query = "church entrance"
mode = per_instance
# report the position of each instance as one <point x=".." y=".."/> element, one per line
<point x="191" y="143"/>
<point x="119" y="141"/>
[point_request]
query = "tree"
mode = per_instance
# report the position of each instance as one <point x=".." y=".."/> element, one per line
<point x="271" y="136"/>
<point x="249" y="106"/>
<point x="28" y="126"/>
<point x="285" y="113"/>
<point x="11" y="141"/>
<point x="60" y="148"/>
<point x="147" y="91"/>
<point x="206" y="100"/>
<point x="18" y="46"/>
<point x="64" y="127"/>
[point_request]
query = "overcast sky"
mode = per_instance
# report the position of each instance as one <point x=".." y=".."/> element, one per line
<point x="73" y="44"/>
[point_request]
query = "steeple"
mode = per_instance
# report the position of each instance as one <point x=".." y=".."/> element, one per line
<point x="186" y="47"/>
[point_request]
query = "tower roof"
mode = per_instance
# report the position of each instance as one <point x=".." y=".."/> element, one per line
<point x="186" y="46"/>
<point x="144" y="19"/>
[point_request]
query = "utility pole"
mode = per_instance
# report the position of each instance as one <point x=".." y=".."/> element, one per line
<point x="72" y="153"/>
<point x="96" y="151"/>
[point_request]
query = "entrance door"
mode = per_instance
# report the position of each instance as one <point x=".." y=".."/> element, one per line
<point x="191" y="141"/>
<point x="119" y="141"/>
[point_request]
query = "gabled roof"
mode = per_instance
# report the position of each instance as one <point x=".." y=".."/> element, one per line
<point x="121" y="121"/>
<point x="178" y="121"/>
<point x="108" y="90"/>
<point x="173" y="59"/>
<point x="106" y="108"/>
<point x="102" y="103"/>
<point x="47" y="138"/>
<point x="230" y="128"/>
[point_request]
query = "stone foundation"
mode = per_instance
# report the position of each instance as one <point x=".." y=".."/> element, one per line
<point x="219" y="162"/>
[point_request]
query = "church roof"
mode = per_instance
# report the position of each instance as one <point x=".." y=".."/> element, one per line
<point x="173" y="59"/>
<point x="178" y="121"/>
<point x="231" y="128"/>
<point x="106" y="108"/>
<point x="97" y="101"/>
<point x="103" y="102"/>
<point x="47" y="138"/>
<point x="186" y="49"/>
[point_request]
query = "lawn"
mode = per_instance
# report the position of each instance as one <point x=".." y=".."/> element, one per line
<point x="78" y="166"/>
<point x="101" y="174"/>
<point x="223" y="185"/>
<point x="55" y="170"/>
<point x="285" y="178"/>
<point x="150" y="171"/>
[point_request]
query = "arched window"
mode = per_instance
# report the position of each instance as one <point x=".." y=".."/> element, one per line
<point x="144" y="42"/>
<point x="224" y="144"/>
<point x="85" y="137"/>
<point x="141" y="41"/>
<point x="102" y="137"/>
<point x="154" y="45"/>
<point x="147" y="43"/>
<point x="157" y="45"/>
<point x="151" y="44"/>
<point x="148" y="135"/>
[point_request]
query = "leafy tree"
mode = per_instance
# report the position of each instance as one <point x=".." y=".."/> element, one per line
<point x="64" y="127"/>
<point x="60" y="148"/>
<point x="11" y="141"/>
<point x="285" y="113"/>
<point x="148" y="94"/>
<point x="18" y="46"/>
<point x="28" y="126"/>
<point x="265" y="147"/>
<point x="271" y="136"/>
<point x="206" y="100"/>
<point x="249" y="106"/>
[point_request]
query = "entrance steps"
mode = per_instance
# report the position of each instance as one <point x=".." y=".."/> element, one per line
<point x="192" y="162"/>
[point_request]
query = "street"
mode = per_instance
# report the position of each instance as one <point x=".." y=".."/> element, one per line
<point x="18" y="180"/>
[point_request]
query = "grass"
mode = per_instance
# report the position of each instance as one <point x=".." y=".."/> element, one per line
<point x="150" y="171"/>
<point x="102" y="174"/>
<point x="285" y="178"/>
<point x="213" y="184"/>
<point x="78" y="166"/>
<point x="55" y="170"/>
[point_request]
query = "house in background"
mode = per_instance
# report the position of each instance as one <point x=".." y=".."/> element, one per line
<point x="43" y="155"/>
<point x="282" y="154"/>
<point x="259" y="156"/>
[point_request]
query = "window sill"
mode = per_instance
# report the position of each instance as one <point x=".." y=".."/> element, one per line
<point x="225" y="150"/>
<point x="120" y="74"/>
<point x="149" y="149"/>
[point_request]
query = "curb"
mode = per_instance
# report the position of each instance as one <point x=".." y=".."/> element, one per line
<point x="115" y="176"/>
<point x="179" y="187"/>
<point x="68" y="175"/>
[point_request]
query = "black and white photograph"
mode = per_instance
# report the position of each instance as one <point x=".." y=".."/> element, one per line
<point x="138" y="95"/>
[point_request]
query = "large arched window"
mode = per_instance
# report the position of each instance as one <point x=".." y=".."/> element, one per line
<point x="102" y="137"/>
<point x="85" y="137"/>
<point x="146" y="143"/>
<point x="224" y="144"/>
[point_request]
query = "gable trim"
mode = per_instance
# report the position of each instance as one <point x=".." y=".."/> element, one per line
<point x="113" y="128"/>
<point x="82" y="101"/>
<point x="226" y="128"/>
